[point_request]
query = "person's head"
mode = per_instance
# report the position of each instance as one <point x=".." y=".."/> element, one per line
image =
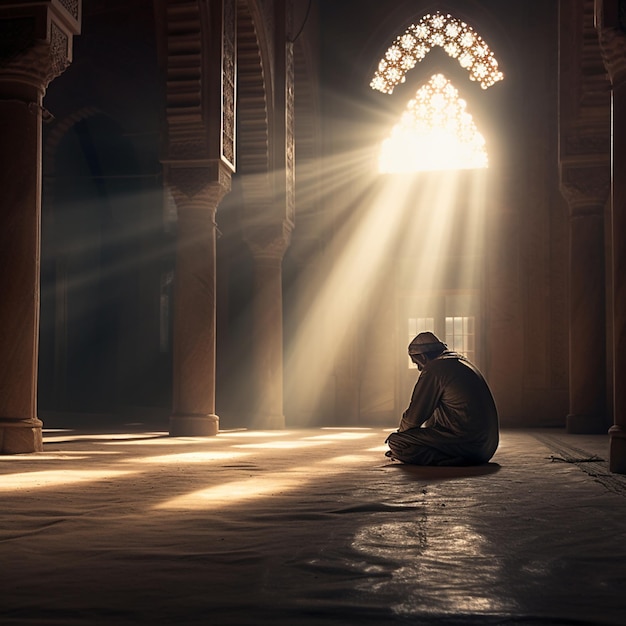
<point x="425" y="347"/>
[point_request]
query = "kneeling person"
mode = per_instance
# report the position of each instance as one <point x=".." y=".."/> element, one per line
<point x="452" y="417"/>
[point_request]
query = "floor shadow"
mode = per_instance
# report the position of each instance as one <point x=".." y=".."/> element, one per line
<point x="420" y="472"/>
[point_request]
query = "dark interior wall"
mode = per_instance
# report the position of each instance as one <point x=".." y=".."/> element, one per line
<point x="544" y="217"/>
<point x="107" y="251"/>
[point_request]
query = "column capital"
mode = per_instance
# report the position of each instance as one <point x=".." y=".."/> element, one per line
<point x="268" y="243"/>
<point x="198" y="184"/>
<point x="613" y="45"/>
<point x="36" y="40"/>
<point x="584" y="113"/>
<point x="586" y="186"/>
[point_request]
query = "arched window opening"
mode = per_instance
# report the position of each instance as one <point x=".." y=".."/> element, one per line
<point x="457" y="38"/>
<point x="434" y="133"/>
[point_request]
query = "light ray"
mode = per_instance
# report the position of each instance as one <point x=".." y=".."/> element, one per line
<point x="342" y="436"/>
<point x="434" y="133"/>
<point x="187" y="457"/>
<point x="53" y="478"/>
<point x="233" y="492"/>
<point x="414" y="225"/>
<point x="362" y="244"/>
<point x="279" y="445"/>
<point x="472" y="243"/>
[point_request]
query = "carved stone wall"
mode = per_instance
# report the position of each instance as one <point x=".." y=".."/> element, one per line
<point x="229" y="82"/>
<point x="33" y="52"/>
<point x="200" y="73"/>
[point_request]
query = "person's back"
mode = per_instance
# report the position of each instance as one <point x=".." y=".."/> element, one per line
<point x="466" y="407"/>
<point x="452" y="417"/>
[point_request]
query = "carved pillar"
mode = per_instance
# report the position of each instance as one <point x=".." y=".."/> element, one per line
<point x="200" y="158"/>
<point x="612" y="29"/>
<point x="587" y="338"/>
<point x="284" y="140"/>
<point x="36" y="47"/>
<point x="266" y="343"/>
<point x="584" y="160"/>
<point x="197" y="195"/>
<point x="268" y="220"/>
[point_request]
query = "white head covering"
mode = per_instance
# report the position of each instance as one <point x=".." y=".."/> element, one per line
<point x="426" y="342"/>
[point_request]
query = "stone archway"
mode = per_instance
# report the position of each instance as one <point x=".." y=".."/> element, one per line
<point x="253" y="95"/>
<point x="264" y="168"/>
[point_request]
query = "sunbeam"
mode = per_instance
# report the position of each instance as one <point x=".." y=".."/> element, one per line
<point x="364" y="239"/>
<point x="421" y="231"/>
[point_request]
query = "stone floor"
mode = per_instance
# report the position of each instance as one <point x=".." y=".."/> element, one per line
<point x="308" y="527"/>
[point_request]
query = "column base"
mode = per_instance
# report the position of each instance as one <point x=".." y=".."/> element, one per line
<point x="586" y="424"/>
<point x="194" y="425"/>
<point x="617" y="450"/>
<point x="20" y="436"/>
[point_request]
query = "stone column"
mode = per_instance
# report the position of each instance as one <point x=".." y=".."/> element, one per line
<point x="197" y="194"/>
<point x="266" y="336"/>
<point x="611" y="29"/>
<point x="199" y="65"/>
<point x="587" y="319"/>
<point x="617" y="432"/>
<point x="584" y="162"/>
<point x="36" y="47"/>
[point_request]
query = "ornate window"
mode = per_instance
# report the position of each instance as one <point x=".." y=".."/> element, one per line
<point x="434" y="133"/>
<point x="461" y="335"/>
<point x="458" y="39"/>
<point x="452" y="316"/>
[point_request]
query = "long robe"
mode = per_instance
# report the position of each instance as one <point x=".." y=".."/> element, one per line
<point x="452" y="418"/>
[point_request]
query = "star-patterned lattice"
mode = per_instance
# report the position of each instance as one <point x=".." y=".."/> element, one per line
<point x="458" y="39"/>
<point x="434" y="133"/>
